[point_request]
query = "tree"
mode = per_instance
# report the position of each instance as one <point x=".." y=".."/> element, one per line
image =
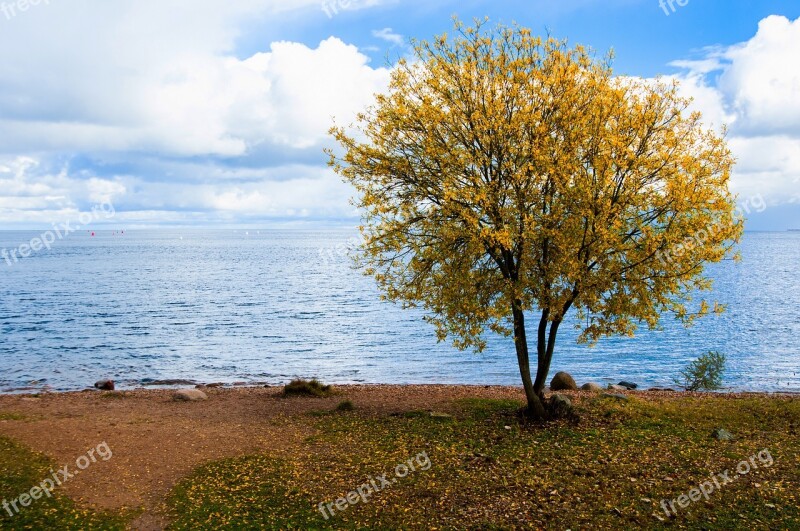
<point x="704" y="373"/>
<point x="504" y="174"/>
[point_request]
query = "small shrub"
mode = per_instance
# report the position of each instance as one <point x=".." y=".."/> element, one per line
<point x="307" y="388"/>
<point x="704" y="373"/>
<point x="346" y="405"/>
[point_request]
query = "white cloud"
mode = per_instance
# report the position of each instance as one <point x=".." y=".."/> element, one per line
<point x="707" y="99"/>
<point x="176" y="126"/>
<point x="388" y="35"/>
<point x="32" y="193"/>
<point x="762" y="82"/>
<point x="36" y="193"/>
<point x="158" y="86"/>
<point x="768" y="166"/>
<point x="309" y="88"/>
<point x="754" y="88"/>
<point x="145" y="80"/>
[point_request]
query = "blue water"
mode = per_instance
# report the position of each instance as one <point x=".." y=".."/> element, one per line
<point x="267" y="306"/>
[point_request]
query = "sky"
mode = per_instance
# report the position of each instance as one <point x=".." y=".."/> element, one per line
<point x="210" y="113"/>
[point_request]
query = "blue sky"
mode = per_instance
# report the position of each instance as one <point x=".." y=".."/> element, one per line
<point x="203" y="113"/>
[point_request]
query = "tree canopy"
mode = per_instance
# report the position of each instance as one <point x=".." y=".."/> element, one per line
<point x="504" y="173"/>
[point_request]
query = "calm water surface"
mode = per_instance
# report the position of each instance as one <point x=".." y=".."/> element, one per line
<point x="266" y="306"/>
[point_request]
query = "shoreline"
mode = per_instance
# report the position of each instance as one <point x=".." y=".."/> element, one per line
<point x="249" y="386"/>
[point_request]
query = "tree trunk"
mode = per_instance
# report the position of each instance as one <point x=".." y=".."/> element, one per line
<point x="535" y="400"/>
<point x="545" y="346"/>
<point x="541" y="350"/>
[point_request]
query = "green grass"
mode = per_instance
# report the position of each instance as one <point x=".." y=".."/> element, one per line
<point x="311" y="388"/>
<point x="20" y="470"/>
<point x="345" y="405"/>
<point x="230" y="494"/>
<point x="12" y="416"/>
<point x="490" y="470"/>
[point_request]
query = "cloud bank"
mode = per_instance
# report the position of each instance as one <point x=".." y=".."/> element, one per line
<point x="152" y="109"/>
<point x="754" y="88"/>
<point x="147" y="104"/>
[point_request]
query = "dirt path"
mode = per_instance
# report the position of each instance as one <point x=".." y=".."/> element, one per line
<point x="156" y="441"/>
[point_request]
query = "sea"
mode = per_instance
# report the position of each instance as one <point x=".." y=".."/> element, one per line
<point x="261" y="307"/>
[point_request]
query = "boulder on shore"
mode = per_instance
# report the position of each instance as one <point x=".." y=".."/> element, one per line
<point x="105" y="385"/>
<point x="628" y="385"/>
<point x="615" y="387"/>
<point x="560" y="405"/>
<point x="721" y="434"/>
<point x="591" y="386"/>
<point x="562" y="381"/>
<point x="189" y="395"/>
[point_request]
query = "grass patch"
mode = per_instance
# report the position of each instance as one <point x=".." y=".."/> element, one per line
<point x="489" y="470"/>
<point x="345" y="405"/>
<point x="307" y="388"/>
<point x="240" y="493"/>
<point x="20" y="470"/>
<point x="12" y="416"/>
<point x="482" y="409"/>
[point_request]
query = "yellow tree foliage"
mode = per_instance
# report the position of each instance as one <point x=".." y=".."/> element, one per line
<point x="504" y="174"/>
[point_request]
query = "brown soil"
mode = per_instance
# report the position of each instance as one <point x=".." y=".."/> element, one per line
<point x="156" y="441"/>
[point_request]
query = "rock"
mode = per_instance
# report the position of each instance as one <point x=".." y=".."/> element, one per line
<point x="628" y="385"/>
<point x="616" y="387"/>
<point x="591" y="387"/>
<point x="722" y="434"/>
<point x="562" y="381"/>
<point x="104" y="385"/>
<point x="560" y="405"/>
<point x="616" y="396"/>
<point x="561" y="400"/>
<point x="189" y="395"/>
